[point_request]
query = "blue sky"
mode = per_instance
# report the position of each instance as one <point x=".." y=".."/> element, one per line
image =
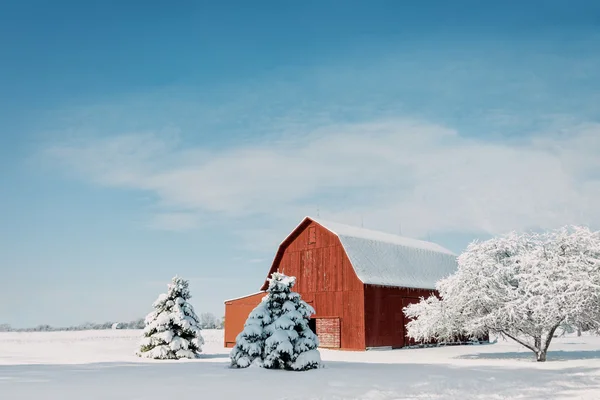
<point x="139" y="139"/>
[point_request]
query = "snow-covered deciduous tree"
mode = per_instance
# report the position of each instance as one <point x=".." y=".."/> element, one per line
<point x="430" y="320"/>
<point x="277" y="334"/>
<point x="172" y="330"/>
<point x="521" y="286"/>
<point x="208" y="321"/>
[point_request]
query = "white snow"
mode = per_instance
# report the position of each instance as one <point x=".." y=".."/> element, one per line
<point x="384" y="259"/>
<point x="92" y="365"/>
<point x="243" y="297"/>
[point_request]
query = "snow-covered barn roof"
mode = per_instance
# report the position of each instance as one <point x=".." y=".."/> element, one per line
<point x="384" y="259"/>
<point x="246" y="296"/>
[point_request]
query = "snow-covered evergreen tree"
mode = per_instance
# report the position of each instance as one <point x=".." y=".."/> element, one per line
<point x="521" y="286"/>
<point x="276" y="334"/>
<point x="172" y="330"/>
<point x="289" y="342"/>
<point x="250" y="343"/>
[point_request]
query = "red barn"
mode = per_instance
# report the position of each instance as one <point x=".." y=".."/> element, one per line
<point x="357" y="280"/>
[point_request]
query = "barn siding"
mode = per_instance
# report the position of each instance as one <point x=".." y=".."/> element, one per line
<point x="323" y="272"/>
<point x="385" y="321"/>
<point x="236" y="313"/>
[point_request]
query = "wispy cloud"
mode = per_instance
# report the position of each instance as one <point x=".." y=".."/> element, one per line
<point x="496" y="144"/>
<point x="427" y="177"/>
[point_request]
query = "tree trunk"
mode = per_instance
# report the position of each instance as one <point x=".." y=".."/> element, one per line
<point x="539" y="350"/>
<point x="578" y="331"/>
<point x="540" y="355"/>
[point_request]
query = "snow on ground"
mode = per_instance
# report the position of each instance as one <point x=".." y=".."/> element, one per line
<point x="101" y="365"/>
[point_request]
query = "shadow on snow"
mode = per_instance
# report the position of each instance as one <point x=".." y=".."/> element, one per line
<point x="558" y="355"/>
<point x="338" y="380"/>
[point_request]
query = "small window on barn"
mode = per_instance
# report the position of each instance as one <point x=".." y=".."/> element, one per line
<point x="312" y="235"/>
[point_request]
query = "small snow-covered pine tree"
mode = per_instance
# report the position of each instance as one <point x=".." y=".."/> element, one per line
<point x="289" y="342"/>
<point x="276" y="334"/>
<point x="172" y="330"/>
<point x="250" y="343"/>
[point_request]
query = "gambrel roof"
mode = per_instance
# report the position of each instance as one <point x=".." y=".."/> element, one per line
<point x="384" y="259"/>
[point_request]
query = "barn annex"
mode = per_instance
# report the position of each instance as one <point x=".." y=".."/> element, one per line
<point x="357" y="280"/>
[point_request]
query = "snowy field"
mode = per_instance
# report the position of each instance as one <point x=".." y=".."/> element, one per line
<point x="101" y="365"/>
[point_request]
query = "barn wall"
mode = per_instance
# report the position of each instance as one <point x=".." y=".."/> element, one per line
<point x="326" y="280"/>
<point x="385" y="321"/>
<point x="236" y="313"/>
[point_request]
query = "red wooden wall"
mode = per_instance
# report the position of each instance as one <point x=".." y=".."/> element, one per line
<point x="385" y="322"/>
<point x="325" y="279"/>
<point x="236" y="313"/>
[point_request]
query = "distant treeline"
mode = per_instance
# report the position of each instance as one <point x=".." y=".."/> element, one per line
<point x="207" y="321"/>
<point x="137" y="324"/>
